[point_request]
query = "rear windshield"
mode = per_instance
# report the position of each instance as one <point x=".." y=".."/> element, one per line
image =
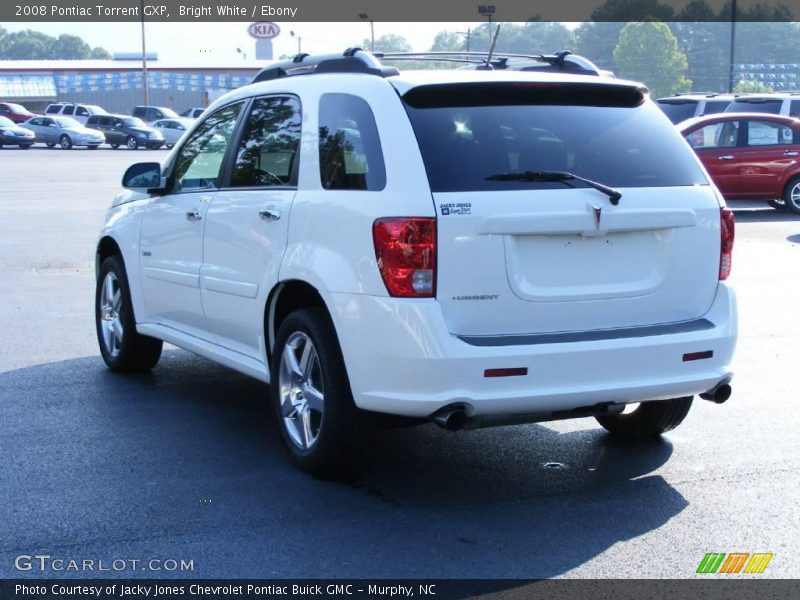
<point x="761" y="106"/>
<point x="714" y="107"/>
<point x="678" y="111"/>
<point x="632" y="145"/>
<point x="4" y="122"/>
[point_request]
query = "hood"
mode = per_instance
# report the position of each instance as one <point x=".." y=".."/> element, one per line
<point x="143" y="129"/>
<point x="82" y="130"/>
<point x="16" y="128"/>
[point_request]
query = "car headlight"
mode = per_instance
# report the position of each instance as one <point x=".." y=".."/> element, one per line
<point x="155" y="136"/>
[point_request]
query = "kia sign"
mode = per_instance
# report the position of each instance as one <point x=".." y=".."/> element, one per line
<point x="263" y="30"/>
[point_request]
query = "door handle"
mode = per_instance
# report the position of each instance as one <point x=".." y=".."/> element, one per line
<point x="726" y="157"/>
<point x="790" y="153"/>
<point x="270" y="214"/>
<point x="193" y="215"/>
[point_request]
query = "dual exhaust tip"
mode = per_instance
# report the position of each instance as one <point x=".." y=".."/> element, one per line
<point x="454" y="418"/>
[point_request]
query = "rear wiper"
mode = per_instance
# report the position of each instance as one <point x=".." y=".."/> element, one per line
<point x="560" y="176"/>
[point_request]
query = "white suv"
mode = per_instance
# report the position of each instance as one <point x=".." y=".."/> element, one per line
<point x="464" y="247"/>
<point x="79" y="112"/>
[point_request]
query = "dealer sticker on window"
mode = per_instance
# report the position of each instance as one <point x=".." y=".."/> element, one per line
<point x="456" y="208"/>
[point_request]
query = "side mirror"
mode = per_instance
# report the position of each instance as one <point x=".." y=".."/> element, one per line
<point x="144" y="178"/>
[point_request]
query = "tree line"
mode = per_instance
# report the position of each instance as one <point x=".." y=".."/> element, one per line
<point x="35" y="45"/>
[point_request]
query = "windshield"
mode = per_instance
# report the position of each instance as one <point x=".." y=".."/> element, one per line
<point x="619" y="146"/>
<point x="6" y="122"/>
<point x="66" y="122"/>
<point x="134" y="122"/>
<point x="17" y="108"/>
<point x="760" y="106"/>
<point x="96" y="110"/>
<point x="168" y="113"/>
<point x="678" y="111"/>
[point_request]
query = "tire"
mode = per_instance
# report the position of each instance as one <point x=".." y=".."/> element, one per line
<point x="25" y="146"/>
<point x="170" y="146"/>
<point x="337" y="432"/>
<point x="65" y="142"/>
<point x="114" y="319"/>
<point x="92" y="147"/>
<point x="114" y="146"/>
<point x="131" y="143"/>
<point x="791" y="195"/>
<point x="51" y="145"/>
<point x="777" y="204"/>
<point x="650" y="419"/>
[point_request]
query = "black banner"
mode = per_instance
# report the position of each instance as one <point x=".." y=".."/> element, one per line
<point x="408" y="10"/>
<point x="734" y="588"/>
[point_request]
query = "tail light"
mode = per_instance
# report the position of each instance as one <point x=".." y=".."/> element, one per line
<point x="406" y="251"/>
<point x="727" y="230"/>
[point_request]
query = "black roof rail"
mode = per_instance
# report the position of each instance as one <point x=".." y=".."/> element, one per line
<point x="358" y="60"/>
<point x="352" y="60"/>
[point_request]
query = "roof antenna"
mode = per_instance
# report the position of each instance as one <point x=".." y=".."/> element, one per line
<point x="491" y="49"/>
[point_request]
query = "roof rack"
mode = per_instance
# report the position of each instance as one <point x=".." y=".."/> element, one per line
<point x="358" y="60"/>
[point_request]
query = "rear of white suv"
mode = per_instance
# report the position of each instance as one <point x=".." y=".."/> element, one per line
<point x="470" y="248"/>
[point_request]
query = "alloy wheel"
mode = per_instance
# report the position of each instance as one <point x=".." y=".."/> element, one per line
<point x="301" y="389"/>
<point x="110" y="320"/>
<point x="794" y="197"/>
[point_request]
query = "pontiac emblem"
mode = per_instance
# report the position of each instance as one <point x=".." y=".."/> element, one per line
<point x="598" y="213"/>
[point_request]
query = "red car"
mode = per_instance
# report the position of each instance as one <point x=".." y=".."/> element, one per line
<point x="15" y="112"/>
<point x="752" y="156"/>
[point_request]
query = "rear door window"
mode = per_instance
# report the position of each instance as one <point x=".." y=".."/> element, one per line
<point x="768" y="133"/>
<point x="268" y="148"/>
<point x="68" y="110"/>
<point x="53" y="109"/>
<point x="350" y="154"/>
<point x="467" y="135"/>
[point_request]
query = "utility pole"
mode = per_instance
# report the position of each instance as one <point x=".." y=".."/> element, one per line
<point x="467" y="33"/>
<point x="365" y="17"/>
<point x="732" y="74"/>
<point x="144" y="59"/>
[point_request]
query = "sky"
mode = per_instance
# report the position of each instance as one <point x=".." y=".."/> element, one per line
<point x="193" y="41"/>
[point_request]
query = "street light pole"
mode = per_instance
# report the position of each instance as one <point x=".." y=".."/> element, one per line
<point x="144" y="58"/>
<point x="299" y="45"/>
<point x="364" y="17"/>
<point x="467" y="33"/>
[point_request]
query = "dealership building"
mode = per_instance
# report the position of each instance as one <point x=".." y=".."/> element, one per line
<point x="118" y="85"/>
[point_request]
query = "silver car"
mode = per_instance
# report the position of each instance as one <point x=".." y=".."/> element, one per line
<point x="173" y="129"/>
<point x="64" y="131"/>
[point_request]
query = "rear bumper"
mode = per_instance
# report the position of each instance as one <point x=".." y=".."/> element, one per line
<point x="402" y="360"/>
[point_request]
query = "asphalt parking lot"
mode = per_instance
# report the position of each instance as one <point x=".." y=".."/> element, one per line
<point x="185" y="463"/>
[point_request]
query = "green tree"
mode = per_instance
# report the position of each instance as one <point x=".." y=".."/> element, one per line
<point x="35" y="45"/>
<point x="448" y="41"/>
<point x="648" y="52"/>
<point x="752" y="87"/>
<point x="388" y="43"/>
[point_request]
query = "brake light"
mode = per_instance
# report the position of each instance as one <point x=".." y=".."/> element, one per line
<point x="727" y="231"/>
<point x="405" y="248"/>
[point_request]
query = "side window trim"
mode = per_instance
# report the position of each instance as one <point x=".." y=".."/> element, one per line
<point x="169" y="169"/>
<point x="236" y="140"/>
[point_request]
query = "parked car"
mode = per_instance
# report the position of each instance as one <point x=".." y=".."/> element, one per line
<point x="686" y="106"/>
<point x="128" y="131"/>
<point x="150" y="114"/>
<point x="12" y="134"/>
<point x="461" y="247"/>
<point x="173" y="129"/>
<point x="15" y="112"/>
<point x="79" y="112"/>
<point x="753" y="156"/>
<point x="777" y="104"/>
<point x="64" y="131"/>
<point x="193" y="113"/>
